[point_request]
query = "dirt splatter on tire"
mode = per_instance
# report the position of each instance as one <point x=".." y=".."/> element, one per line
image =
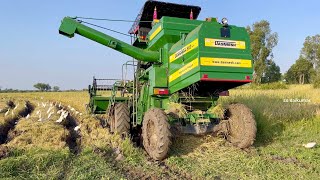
<point x="156" y="133"/>
<point x="241" y="126"/>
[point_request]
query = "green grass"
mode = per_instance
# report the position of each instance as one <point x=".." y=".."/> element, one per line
<point x="34" y="164"/>
<point x="44" y="164"/>
<point x="283" y="158"/>
<point x="283" y="127"/>
<point x="89" y="165"/>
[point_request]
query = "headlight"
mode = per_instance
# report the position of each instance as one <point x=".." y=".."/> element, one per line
<point x="224" y="21"/>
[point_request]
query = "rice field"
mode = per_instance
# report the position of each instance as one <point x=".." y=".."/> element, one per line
<point x="50" y="136"/>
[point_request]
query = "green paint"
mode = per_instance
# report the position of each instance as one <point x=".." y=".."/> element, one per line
<point x="70" y="26"/>
<point x="100" y="103"/>
<point x="171" y="36"/>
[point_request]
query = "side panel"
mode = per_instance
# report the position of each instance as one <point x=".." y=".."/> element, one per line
<point x="225" y="59"/>
<point x="184" y="61"/>
<point x="99" y="104"/>
<point x="212" y="58"/>
<point x="169" y="30"/>
<point x="158" y="76"/>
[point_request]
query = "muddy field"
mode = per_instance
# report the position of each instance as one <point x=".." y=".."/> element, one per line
<point x="50" y="135"/>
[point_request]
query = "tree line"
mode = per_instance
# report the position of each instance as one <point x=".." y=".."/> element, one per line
<point x="46" y="87"/>
<point x="38" y="86"/>
<point x="305" y="70"/>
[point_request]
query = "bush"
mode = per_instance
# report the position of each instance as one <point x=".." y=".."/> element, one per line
<point x="275" y="85"/>
<point x="267" y="86"/>
<point x="316" y="82"/>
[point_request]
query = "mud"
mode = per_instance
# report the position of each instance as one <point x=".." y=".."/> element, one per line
<point x="11" y="122"/>
<point x="130" y="173"/>
<point x="74" y="138"/>
<point x="241" y="126"/>
<point x="137" y="173"/>
<point x="4" y="151"/>
<point x="289" y="160"/>
<point x="168" y="172"/>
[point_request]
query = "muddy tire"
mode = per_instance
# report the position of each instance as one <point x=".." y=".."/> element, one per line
<point x="156" y="134"/>
<point x="120" y="121"/>
<point x="241" y="126"/>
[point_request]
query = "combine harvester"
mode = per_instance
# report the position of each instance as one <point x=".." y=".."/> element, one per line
<point x="182" y="66"/>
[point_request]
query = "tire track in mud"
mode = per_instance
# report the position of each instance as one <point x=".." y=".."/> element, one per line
<point x="49" y="117"/>
<point x="9" y="124"/>
<point x="137" y="173"/>
<point x="168" y="172"/>
<point x="128" y="172"/>
<point x="71" y="123"/>
<point x="74" y="138"/>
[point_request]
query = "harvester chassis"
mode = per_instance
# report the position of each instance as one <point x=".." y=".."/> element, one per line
<point x="181" y="67"/>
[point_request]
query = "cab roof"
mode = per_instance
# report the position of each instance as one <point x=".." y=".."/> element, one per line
<point x="163" y="9"/>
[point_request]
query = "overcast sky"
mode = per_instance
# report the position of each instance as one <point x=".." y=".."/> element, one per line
<point x="31" y="50"/>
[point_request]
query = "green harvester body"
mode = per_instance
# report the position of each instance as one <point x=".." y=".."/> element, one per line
<point x="181" y="60"/>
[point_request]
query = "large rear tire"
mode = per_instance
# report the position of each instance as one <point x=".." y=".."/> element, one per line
<point x="241" y="126"/>
<point x="156" y="134"/>
<point x="120" y="122"/>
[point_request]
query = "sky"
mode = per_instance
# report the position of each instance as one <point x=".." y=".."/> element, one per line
<point x="31" y="49"/>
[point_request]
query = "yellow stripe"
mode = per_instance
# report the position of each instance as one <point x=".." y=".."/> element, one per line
<point x="184" y="50"/>
<point x="225" y="43"/>
<point x="186" y="68"/>
<point x="243" y="63"/>
<point x="156" y="32"/>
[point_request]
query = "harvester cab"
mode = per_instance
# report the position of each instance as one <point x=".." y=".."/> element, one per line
<point x="152" y="12"/>
<point x="181" y="67"/>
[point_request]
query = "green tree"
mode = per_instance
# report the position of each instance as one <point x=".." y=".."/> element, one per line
<point x="42" y="86"/>
<point x="56" y="88"/>
<point x="311" y="50"/>
<point x="300" y="72"/>
<point x="262" y="43"/>
<point x="316" y="81"/>
<point x="290" y="75"/>
<point x="272" y="73"/>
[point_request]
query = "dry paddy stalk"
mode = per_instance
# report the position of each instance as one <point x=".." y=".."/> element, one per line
<point x="9" y="119"/>
<point x="71" y="123"/>
<point x="93" y="134"/>
<point x="218" y="110"/>
<point x="39" y="129"/>
<point x="176" y="110"/>
<point x="3" y="107"/>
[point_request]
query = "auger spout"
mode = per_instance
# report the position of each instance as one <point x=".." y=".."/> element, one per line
<point x="70" y="26"/>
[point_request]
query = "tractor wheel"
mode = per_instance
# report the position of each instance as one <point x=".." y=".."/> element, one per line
<point x="241" y="126"/>
<point x="156" y="133"/>
<point x="120" y="121"/>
